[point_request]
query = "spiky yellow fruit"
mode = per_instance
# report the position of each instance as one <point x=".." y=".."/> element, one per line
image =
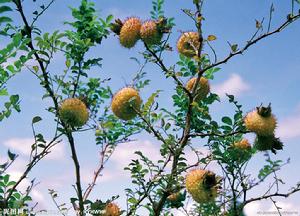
<point x="174" y="197"/>
<point x="241" y="151"/>
<point x="112" y="209"/>
<point x="74" y="112"/>
<point x="188" y="44"/>
<point x="150" y="33"/>
<point x="242" y="145"/>
<point x="125" y="103"/>
<point x="203" y="87"/>
<point x="259" y="124"/>
<point x="130" y="32"/>
<point x="201" y="184"/>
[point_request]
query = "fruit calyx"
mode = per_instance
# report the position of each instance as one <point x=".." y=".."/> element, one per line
<point x="209" y="180"/>
<point x="162" y="25"/>
<point x="116" y="26"/>
<point x="264" y="143"/>
<point x="264" y="111"/>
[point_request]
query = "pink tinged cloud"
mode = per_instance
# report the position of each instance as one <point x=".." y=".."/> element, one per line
<point x="23" y="146"/>
<point x="289" y="127"/>
<point x="234" y="85"/>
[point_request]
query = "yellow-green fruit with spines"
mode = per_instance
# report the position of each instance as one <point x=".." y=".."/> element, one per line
<point x="150" y="33"/>
<point x="203" y="88"/>
<point x="242" y="145"/>
<point x="125" y="103"/>
<point x="112" y="209"/>
<point x="174" y="197"/>
<point x="98" y="132"/>
<point x="241" y="150"/>
<point x="74" y="112"/>
<point x="202" y="185"/>
<point x="130" y="32"/>
<point x="261" y="125"/>
<point x="188" y="44"/>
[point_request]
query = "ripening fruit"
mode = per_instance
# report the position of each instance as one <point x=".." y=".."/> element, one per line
<point x="130" y="32"/>
<point x="125" y="103"/>
<point x="203" y="87"/>
<point x="111" y="209"/>
<point x="242" y="145"/>
<point x="241" y="151"/>
<point x="201" y="184"/>
<point x="188" y="44"/>
<point x="150" y="33"/>
<point x="261" y="121"/>
<point x="98" y="132"/>
<point x="174" y="197"/>
<point x="74" y="112"/>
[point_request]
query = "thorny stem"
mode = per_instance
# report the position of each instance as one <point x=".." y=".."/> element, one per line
<point x="185" y="137"/>
<point x="46" y="84"/>
<point x="156" y="133"/>
<point x="41" y="13"/>
<point x="254" y="41"/>
<point x="77" y="171"/>
<point x="77" y="79"/>
<point x="186" y="133"/>
<point x="285" y="195"/>
<point x="160" y="63"/>
<point x="33" y="162"/>
<point x="202" y="135"/>
<point x="149" y="184"/>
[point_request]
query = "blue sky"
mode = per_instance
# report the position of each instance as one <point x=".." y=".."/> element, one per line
<point x="268" y="72"/>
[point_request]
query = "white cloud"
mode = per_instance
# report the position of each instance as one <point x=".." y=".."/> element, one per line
<point x="15" y="172"/>
<point x="289" y="127"/>
<point x="189" y="206"/>
<point x="252" y="208"/>
<point x="15" y="176"/>
<point x="105" y="176"/>
<point x="124" y="154"/>
<point x="267" y="207"/>
<point x="285" y="207"/>
<point x="234" y="85"/>
<point x="39" y="198"/>
<point x="23" y="146"/>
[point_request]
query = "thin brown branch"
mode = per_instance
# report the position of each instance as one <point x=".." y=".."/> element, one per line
<point x="41" y="13"/>
<point x="254" y="41"/>
<point x="46" y="83"/>
<point x="202" y="135"/>
<point x="77" y="172"/>
<point x="285" y="195"/>
<point x="185" y="137"/>
<point x="96" y="173"/>
<point x="160" y="63"/>
<point x="33" y="162"/>
<point x="150" y="184"/>
<point x="150" y="126"/>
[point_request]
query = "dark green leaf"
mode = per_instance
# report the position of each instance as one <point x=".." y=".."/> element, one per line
<point x="36" y="119"/>
<point x="227" y="120"/>
<point x="11" y="155"/>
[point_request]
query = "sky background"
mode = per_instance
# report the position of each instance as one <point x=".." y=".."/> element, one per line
<point x="268" y="72"/>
